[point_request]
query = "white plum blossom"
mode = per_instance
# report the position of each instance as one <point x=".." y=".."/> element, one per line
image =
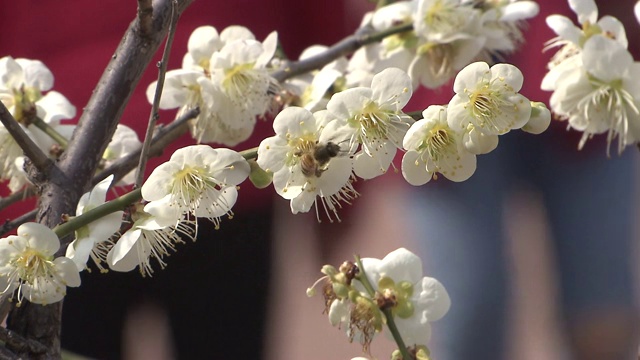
<point x="415" y="301"/>
<point x="501" y="22"/>
<point x="449" y="37"/>
<point x="123" y="142"/>
<point x="27" y="264"/>
<point x="311" y="90"/>
<point x="602" y="96"/>
<point x="100" y="230"/>
<point x="432" y="146"/>
<point x="22" y="85"/>
<point x="197" y="180"/>
<point x="205" y="41"/>
<point x="149" y="237"/>
<point x="309" y="158"/>
<point x="188" y="89"/>
<point x="374" y="119"/>
<point x="393" y="51"/>
<point x="489" y="99"/>
<point x="226" y="76"/>
<point x="571" y="39"/>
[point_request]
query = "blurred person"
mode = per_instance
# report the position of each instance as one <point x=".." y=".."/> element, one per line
<point x="589" y="199"/>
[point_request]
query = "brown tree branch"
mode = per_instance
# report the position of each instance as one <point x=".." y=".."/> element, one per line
<point x="38" y="158"/>
<point x="145" y="17"/>
<point x="153" y="117"/>
<point x="14" y="340"/>
<point x="346" y="46"/>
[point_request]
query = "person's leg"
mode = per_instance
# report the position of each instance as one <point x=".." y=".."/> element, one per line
<point x="458" y="227"/>
<point x="590" y="201"/>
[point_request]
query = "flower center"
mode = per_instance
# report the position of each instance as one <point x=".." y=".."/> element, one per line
<point x="437" y="142"/>
<point x="396" y="296"/>
<point x="31" y="265"/>
<point x="444" y="19"/>
<point x="238" y="79"/>
<point x="373" y="122"/>
<point x="190" y="183"/>
<point x="24" y="100"/>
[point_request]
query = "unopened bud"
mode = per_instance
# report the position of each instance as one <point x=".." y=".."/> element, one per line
<point x="258" y="177"/>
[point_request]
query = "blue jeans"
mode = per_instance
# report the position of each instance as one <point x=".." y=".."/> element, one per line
<point x="459" y="228"/>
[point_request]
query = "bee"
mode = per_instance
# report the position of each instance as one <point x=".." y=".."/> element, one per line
<point x="315" y="161"/>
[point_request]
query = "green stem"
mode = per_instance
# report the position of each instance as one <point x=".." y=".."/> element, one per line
<point x="117" y="204"/>
<point x="250" y="154"/>
<point x="56" y="136"/>
<point x="391" y="324"/>
<point x="362" y="277"/>
<point x="96" y="213"/>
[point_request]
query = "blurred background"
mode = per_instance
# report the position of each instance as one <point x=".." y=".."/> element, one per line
<point x="523" y="284"/>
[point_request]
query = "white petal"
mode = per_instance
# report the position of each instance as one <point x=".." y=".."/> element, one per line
<point x="36" y="74"/>
<point x="468" y="77"/>
<point x="520" y="10"/>
<point x="565" y="29"/>
<point x="414" y="170"/>
<point x="433" y="298"/>
<point x="294" y="121"/>
<point x="269" y="46"/>
<point x="56" y="107"/>
<point x="368" y="167"/>
<point x="79" y="250"/>
<point x="203" y="42"/>
<point x="236" y="32"/>
<point x="68" y="271"/>
<point x="348" y="102"/>
<point x="402" y="265"/>
<point x="585" y="9"/>
<point x="160" y="181"/>
<point x="392" y="83"/>
<point x="39" y="237"/>
<point x="512" y="75"/>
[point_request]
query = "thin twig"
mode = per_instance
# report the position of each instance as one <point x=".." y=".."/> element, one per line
<point x="12" y="224"/>
<point x="31" y="150"/>
<point x="344" y="47"/>
<point x="153" y="117"/>
<point x="19" y="343"/>
<point x="23" y="194"/>
<point x="145" y="17"/>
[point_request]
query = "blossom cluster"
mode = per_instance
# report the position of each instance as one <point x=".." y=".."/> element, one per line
<point x="447" y="35"/>
<point x="364" y="296"/>
<point x="25" y="89"/>
<point x="593" y="76"/>
<point x="225" y="75"/>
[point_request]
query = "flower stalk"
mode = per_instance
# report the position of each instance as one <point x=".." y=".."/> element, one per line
<point x="109" y="207"/>
<point x="50" y="131"/>
<point x="362" y="277"/>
